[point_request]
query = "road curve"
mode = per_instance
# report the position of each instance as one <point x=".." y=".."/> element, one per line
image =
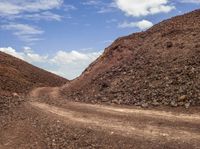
<point x="148" y="124"/>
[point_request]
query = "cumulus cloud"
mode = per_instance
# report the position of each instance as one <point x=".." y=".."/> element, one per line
<point x="24" y="32"/>
<point x="13" y="52"/>
<point x="139" y="8"/>
<point x="67" y="64"/>
<point x="27" y="54"/>
<point x="143" y="25"/>
<point x="74" y="57"/>
<point x="32" y="57"/>
<point x="72" y="64"/>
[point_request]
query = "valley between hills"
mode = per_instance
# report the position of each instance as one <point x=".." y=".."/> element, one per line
<point x="143" y="92"/>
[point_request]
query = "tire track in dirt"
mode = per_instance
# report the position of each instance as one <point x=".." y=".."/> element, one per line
<point x="126" y="128"/>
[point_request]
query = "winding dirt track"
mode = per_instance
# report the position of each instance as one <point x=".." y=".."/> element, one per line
<point x="149" y="124"/>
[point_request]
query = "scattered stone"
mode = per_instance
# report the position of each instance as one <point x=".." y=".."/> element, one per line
<point x="173" y="104"/>
<point x="137" y="104"/>
<point x="115" y="101"/>
<point x="104" y="99"/>
<point x="181" y="103"/>
<point x="145" y="105"/>
<point x="187" y="105"/>
<point x="155" y="103"/>
<point x="182" y="98"/>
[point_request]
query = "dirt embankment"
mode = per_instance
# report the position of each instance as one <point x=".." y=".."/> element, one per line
<point x="160" y="66"/>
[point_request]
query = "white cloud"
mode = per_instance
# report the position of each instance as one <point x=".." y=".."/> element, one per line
<point x="107" y="7"/>
<point x="11" y="7"/>
<point x="22" y="29"/>
<point x="11" y="51"/>
<point x="7" y="8"/>
<point x="139" y="8"/>
<point x="74" y="57"/>
<point x="46" y="15"/>
<point x="24" y="32"/>
<point x="72" y="64"/>
<point x="143" y="25"/>
<point x="67" y="64"/>
<point x="102" y="7"/>
<point x="30" y="9"/>
<point x="191" y="1"/>
<point x="27" y="55"/>
<point x="30" y="56"/>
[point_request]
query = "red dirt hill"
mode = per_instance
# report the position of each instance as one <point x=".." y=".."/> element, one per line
<point x="160" y="66"/>
<point x="17" y="76"/>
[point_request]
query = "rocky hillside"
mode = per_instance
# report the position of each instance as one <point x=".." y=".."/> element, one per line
<point x="160" y="66"/>
<point x="18" y="77"/>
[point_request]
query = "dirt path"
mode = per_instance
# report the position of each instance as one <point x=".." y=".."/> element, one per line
<point x="47" y="121"/>
<point x="51" y="91"/>
<point x="153" y="125"/>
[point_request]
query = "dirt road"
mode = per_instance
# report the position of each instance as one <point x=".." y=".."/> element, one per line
<point x="46" y="121"/>
<point x="148" y="124"/>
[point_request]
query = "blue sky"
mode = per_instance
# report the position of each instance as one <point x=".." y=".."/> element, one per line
<point x="64" y="36"/>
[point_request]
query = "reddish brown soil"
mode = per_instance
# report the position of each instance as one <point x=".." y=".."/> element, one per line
<point x="18" y="77"/>
<point x="76" y="125"/>
<point x="158" y="67"/>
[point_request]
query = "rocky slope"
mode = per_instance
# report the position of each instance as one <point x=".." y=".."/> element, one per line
<point x="160" y="66"/>
<point x="18" y="77"/>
